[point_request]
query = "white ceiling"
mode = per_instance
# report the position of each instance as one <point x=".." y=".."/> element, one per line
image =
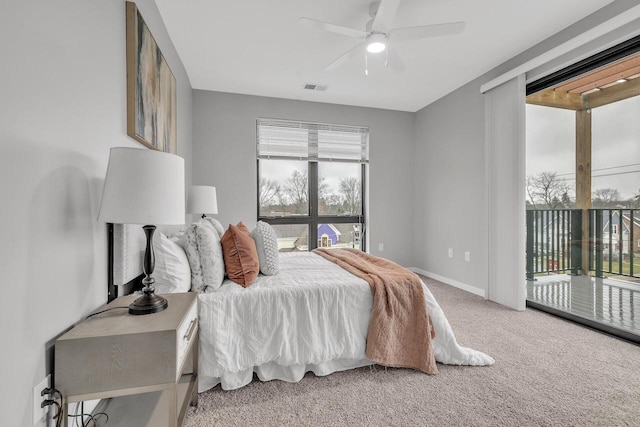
<point x="257" y="47"/>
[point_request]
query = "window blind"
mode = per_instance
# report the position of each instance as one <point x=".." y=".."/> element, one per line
<point x="311" y="141"/>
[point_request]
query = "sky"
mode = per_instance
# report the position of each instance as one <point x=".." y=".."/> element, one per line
<point x="615" y="141"/>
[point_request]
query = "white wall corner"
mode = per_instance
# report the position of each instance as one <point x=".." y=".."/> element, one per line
<point x="456" y="284"/>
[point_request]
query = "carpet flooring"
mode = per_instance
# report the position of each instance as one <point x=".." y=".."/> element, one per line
<point x="548" y="372"/>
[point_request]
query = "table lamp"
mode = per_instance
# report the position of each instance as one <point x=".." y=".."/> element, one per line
<point x="144" y="187"/>
<point x="202" y="200"/>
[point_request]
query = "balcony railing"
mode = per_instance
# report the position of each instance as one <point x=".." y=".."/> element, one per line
<point x="554" y="241"/>
<point x="614" y="242"/>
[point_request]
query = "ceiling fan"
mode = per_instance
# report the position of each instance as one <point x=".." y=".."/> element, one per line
<point x="379" y="34"/>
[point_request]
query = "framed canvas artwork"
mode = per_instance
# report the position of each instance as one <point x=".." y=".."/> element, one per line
<point x="151" y="88"/>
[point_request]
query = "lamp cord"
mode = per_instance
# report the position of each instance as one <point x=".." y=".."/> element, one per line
<point x="102" y="311"/>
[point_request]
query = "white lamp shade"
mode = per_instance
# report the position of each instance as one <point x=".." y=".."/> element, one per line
<point x="143" y="187"/>
<point x="202" y="200"/>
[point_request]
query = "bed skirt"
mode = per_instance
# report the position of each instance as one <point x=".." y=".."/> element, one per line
<point x="273" y="371"/>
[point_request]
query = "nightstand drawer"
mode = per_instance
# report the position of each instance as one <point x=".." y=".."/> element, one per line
<point x="187" y="332"/>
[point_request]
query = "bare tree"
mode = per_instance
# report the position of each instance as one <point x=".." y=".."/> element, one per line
<point x="605" y="197"/>
<point x="333" y="204"/>
<point x="531" y="198"/>
<point x="547" y="189"/>
<point x="323" y="188"/>
<point x="269" y="192"/>
<point x="296" y="190"/>
<point x="350" y="189"/>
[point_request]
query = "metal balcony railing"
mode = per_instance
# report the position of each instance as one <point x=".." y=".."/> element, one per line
<point x="554" y="241"/>
<point x="614" y="242"/>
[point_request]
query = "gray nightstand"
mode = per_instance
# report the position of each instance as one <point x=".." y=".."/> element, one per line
<point x="147" y="364"/>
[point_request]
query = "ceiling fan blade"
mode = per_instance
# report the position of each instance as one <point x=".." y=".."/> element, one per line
<point x="384" y="16"/>
<point x="394" y="61"/>
<point x="334" y="28"/>
<point x="425" y="31"/>
<point x="351" y="53"/>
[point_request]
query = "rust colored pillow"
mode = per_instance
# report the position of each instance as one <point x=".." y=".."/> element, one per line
<point x="240" y="255"/>
<point x="243" y="227"/>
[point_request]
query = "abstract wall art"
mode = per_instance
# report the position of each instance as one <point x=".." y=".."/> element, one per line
<point x="151" y="88"/>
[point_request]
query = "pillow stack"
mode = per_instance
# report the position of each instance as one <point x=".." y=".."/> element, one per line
<point x="241" y="254"/>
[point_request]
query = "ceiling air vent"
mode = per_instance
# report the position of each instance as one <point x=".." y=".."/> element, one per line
<point x="313" y="86"/>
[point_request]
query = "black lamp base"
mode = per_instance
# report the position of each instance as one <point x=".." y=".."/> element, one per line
<point x="147" y="304"/>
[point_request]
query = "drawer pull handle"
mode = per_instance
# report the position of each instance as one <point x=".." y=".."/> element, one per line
<point x="192" y="327"/>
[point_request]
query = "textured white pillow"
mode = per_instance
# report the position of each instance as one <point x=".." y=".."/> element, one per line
<point x="172" y="273"/>
<point x="267" y="247"/>
<point x="204" y="252"/>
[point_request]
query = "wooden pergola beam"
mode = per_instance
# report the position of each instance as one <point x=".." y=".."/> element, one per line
<point x="556" y="99"/>
<point x="612" y="94"/>
<point x="571" y="101"/>
<point x="594" y="82"/>
<point x="623" y="69"/>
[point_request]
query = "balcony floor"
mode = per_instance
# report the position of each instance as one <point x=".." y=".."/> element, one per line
<point x="610" y="305"/>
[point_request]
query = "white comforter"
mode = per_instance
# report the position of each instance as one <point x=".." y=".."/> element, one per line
<point x="312" y="316"/>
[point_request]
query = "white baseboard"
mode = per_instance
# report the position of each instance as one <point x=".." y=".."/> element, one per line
<point x="454" y="283"/>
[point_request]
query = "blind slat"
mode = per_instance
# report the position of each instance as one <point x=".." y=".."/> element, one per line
<point x="311" y="141"/>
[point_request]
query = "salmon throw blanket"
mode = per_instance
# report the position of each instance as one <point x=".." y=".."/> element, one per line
<point x="400" y="330"/>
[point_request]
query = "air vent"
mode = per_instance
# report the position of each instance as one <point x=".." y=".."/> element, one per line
<point x="313" y="86"/>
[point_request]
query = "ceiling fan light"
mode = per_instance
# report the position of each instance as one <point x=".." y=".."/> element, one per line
<point x="376" y="43"/>
<point x="376" y="47"/>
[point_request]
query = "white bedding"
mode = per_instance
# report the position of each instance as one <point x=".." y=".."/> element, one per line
<point x="287" y="324"/>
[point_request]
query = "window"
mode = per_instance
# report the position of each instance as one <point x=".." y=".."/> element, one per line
<point x="311" y="183"/>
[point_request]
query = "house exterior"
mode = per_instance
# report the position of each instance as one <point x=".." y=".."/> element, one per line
<point x="633" y="227"/>
<point x="328" y="235"/>
<point x="617" y="226"/>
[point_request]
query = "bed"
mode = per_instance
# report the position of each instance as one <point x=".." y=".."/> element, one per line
<point x="312" y="316"/>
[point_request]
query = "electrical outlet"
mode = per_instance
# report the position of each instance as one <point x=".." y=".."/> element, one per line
<point x="380" y="247"/>
<point x="450" y="252"/>
<point x="467" y="256"/>
<point x="38" y="411"/>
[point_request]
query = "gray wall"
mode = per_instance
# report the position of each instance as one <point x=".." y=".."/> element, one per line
<point x="449" y="202"/>
<point x="224" y="154"/>
<point x="450" y="189"/>
<point x="63" y="105"/>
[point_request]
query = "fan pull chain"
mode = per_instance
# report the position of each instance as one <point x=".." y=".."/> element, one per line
<point x="366" y="63"/>
<point x="386" y="56"/>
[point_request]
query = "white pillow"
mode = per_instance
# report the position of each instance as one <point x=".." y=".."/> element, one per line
<point x="217" y="225"/>
<point x="178" y="238"/>
<point x="267" y="247"/>
<point x="204" y="252"/>
<point x="172" y="273"/>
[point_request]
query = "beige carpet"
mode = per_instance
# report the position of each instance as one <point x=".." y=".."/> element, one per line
<point x="548" y="372"/>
